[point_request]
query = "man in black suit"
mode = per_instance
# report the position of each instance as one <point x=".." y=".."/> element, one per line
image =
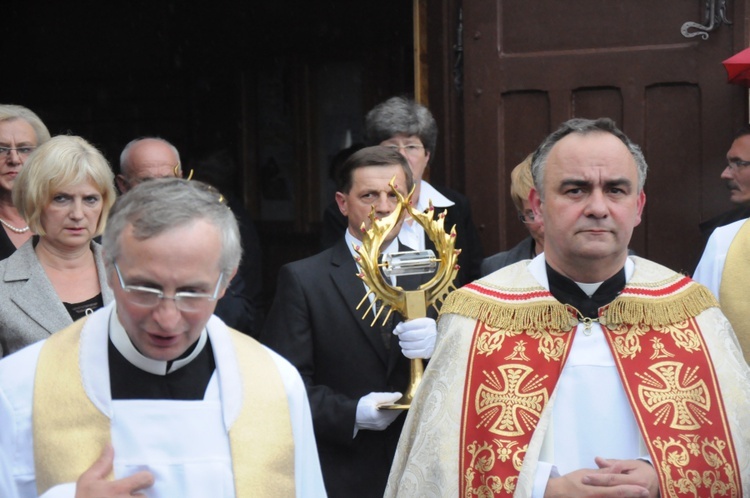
<point x="349" y="366"/>
<point x="407" y="127"/>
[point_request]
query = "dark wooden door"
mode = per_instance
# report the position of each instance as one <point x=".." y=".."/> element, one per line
<point x="529" y="65"/>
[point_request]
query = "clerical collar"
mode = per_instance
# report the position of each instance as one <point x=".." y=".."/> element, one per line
<point x="124" y="345"/>
<point x="569" y="292"/>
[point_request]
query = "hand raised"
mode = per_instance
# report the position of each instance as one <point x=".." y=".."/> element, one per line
<point x="94" y="482"/>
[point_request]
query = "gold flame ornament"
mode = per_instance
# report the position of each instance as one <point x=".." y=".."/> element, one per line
<point x="409" y="303"/>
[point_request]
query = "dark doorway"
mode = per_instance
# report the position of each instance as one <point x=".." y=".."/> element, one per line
<point x="280" y="86"/>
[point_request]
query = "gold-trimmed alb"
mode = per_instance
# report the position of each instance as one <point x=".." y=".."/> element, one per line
<point x="70" y="431"/>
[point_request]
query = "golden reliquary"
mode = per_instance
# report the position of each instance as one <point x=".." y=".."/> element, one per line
<point x="413" y="303"/>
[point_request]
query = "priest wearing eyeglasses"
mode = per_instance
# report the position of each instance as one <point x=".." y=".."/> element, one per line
<point x="153" y="395"/>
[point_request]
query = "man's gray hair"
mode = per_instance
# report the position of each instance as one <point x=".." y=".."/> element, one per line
<point x="163" y="204"/>
<point x="125" y="154"/>
<point x="584" y="127"/>
<point x="401" y="116"/>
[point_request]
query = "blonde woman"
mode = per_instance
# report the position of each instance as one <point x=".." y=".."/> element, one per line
<point x="64" y="193"/>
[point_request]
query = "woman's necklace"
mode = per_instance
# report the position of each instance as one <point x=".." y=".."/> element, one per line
<point x="15" y="229"/>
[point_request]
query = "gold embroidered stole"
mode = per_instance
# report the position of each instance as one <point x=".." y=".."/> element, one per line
<point x="70" y="431"/>
<point x="734" y="291"/>
<point x="520" y="343"/>
<point x="261" y="438"/>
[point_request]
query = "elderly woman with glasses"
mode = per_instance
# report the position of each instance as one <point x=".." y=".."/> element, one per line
<point x="521" y="184"/>
<point x="64" y="193"/>
<point x="21" y="131"/>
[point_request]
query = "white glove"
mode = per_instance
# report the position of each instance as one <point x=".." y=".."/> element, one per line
<point x="370" y="418"/>
<point x="417" y="337"/>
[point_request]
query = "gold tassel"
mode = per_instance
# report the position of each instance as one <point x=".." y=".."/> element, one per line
<point x="553" y="315"/>
<point x="548" y="314"/>
<point x="661" y="311"/>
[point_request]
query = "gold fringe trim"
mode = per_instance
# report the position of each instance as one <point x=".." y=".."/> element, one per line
<point x="549" y="314"/>
<point x="552" y="315"/>
<point x="661" y="311"/>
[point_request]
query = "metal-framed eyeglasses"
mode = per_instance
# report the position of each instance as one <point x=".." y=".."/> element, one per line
<point x="526" y="217"/>
<point x="21" y="151"/>
<point x="409" y="149"/>
<point x="148" y="297"/>
<point x="736" y="163"/>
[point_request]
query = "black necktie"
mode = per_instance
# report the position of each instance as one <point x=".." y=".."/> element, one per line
<point x="386" y="329"/>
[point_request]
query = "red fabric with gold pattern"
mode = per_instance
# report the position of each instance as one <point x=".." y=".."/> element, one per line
<point x="670" y="381"/>
<point x="520" y="343"/>
<point x="508" y="384"/>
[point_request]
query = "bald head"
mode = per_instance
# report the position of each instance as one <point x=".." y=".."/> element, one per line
<point x="145" y="159"/>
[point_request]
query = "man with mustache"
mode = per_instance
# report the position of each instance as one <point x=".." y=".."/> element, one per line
<point x="585" y="371"/>
<point x="723" y="266"/>
<point x="736" y="176"/>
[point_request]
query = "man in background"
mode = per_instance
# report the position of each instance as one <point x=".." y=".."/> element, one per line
<point x="148" y="158"/>
<point x="350" y="366"/>
<point x="521" y="184"/>
<point x="736" y="176"/>
<point x="724" y="267"/>
<point x="409" y="128"/>
<point x="145" y="159"/>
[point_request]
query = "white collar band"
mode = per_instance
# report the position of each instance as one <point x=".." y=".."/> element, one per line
<point x="125" y="346"/>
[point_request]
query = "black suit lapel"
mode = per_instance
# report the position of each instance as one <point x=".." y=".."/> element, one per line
<point x="352" y="290"/>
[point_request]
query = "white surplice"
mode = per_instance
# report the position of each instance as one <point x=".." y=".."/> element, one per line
<point x="185" y="444"/>
<point x="575" y="436"/>
<point x="711" y="265"/>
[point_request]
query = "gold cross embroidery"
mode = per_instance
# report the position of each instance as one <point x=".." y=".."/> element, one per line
<point x="684" y="397"/>
<point x="513" y="401"/>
